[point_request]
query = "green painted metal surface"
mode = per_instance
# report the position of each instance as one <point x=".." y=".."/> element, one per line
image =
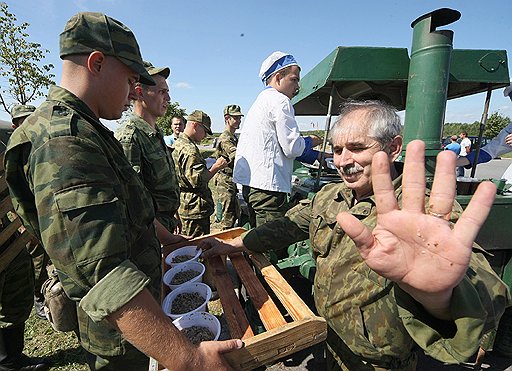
<point x="429" y="71"/>
<point x="381" y="73"/>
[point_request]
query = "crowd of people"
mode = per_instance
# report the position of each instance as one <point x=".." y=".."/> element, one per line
<point x="101" y="206"/>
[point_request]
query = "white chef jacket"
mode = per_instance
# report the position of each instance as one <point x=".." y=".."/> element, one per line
<point x="269" y="142"/>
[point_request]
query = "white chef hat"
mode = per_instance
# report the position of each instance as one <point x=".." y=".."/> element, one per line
<point x="276" y="62"/>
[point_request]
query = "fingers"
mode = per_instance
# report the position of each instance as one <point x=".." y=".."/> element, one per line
<point x="468" y="225"/>
<point x="443" y="189"/>
<point x="413" y="183"/>
<point x="382" y="185"/>
<point x="357" y="231"/>
<point x="228" y="345"/>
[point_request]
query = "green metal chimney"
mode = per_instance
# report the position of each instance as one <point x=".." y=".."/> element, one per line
<point x="427" y="87"/>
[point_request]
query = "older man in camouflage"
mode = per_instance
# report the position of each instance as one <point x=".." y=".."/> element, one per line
<point x="196" y="203"/>
<point x="227" y="204"/>
<point x="144" y="146"/>
<point x="390" y="280"/>
<point x="76" y="191"/>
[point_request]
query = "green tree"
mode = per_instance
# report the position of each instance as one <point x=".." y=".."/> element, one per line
<point x="164" y="122"/>
<point x="495" y="123"/>
<point x="23" y="75"/>
<point x="455" y="128"/>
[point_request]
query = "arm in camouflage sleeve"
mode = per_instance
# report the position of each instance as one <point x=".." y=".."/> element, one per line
<point x="477" y="304"/>
<point x="274" y="235"/>
<point x="230" y="148"/>
<point x="194" y="170"/>
<point x="132" y="152"/>
<point x="82" y="222"/>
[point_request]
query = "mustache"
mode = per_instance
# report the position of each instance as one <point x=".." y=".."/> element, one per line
<point x="350" y="169"/>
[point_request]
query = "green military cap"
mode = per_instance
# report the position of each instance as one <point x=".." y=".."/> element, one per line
<point x="86" y="32"/>
<point x="233" y="110"/>
<point x="22" y="110"/>
<point x="152" y="70"/>
<point x="202" y="118"/>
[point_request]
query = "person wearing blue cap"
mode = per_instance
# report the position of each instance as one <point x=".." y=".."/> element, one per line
<point x="499" y="145"/>
<point x="270" y="141"/>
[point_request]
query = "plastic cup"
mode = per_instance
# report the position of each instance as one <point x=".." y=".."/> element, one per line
<point x="202" y="319"/>
<point x="201" y="288"/>
<point x="185" y="250"/>
<point x="190" y="265"/>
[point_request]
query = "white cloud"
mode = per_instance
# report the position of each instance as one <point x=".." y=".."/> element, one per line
<point x="182" y="85"/>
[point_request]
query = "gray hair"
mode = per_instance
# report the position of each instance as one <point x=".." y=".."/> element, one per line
<point x="380" y="120"/>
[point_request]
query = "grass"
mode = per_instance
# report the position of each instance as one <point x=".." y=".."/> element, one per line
<point x="61" y="349"/>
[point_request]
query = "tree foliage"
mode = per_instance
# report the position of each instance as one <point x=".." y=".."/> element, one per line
<point x="164" y="122"/>
<point x="455" y="128"/>
<point x="24" y="77"/>
<point x="495" y="123"/>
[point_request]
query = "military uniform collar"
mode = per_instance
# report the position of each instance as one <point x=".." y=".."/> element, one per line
<point x="142" y="124"/>
<point x="60" y="94"/>
<point x="188" y="139"/>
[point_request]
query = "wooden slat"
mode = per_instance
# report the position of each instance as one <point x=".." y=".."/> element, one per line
<point x="234" y="314"/>
<point x="280" y="342"/>
<point x="270" y="315"/>
<point x="288" y="297"/>
<point x="224" y="235"/>
<point x="9" y="230"/>
<point x="14" y="249"/>
<point x="5" y="206"/>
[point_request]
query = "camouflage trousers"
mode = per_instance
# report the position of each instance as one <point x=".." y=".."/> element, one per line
<point x="41" y="260"/>
<point x="132" y="359"/>
<point x="168" y="221"/>
<point x="227" y="206"/>
<point x="16" y="290"/>
<point x="339" y="357"/>
<point x="195" y="227"/>
<point x="264" y="206"/>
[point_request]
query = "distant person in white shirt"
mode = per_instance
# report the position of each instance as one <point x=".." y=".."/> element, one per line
<point x="270" y="141"/>
<point x="465" y="149"/>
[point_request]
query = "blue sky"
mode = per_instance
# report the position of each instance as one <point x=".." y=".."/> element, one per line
<point x="215" y="48"/>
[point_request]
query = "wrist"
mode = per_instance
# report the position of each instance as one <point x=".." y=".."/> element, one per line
<point x="437" y="303"/>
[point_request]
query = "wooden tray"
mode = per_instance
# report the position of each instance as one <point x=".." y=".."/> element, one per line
<point x="281" y="338"/>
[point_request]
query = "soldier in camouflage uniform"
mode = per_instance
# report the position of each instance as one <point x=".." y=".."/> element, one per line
<point x="196" y="203"/>
<point x="75" y="190"/>
<point x="144" y="146"/>
<point x="413" y="281"/>
<point x="39" y="257"/>
<point x="225" y="190"/>
<point x="17" y="292"/>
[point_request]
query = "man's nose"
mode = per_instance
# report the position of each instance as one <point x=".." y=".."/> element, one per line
<point x="344" y="158"/>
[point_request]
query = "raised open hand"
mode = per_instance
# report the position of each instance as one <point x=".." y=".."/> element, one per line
<point x="423" y="252"/>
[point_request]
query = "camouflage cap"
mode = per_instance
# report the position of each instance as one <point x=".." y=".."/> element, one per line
<point x="152" y="70"/>
<point x="202" y="118"/>
<point x="22" y="110"/>
<point x="86" y="32"/>
<point x="233" y="110"/>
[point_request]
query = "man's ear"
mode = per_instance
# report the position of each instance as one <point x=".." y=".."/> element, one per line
<point x="395" y="147"/>
<point x="138" y="90"/>
<point x="95" y="61"/>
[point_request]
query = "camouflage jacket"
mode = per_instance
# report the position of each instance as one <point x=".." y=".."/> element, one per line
<point x="226" y="146"/>
<point x="145" y="149"/>
<point x="196" y="201"/>
<point x="75" y="190"/>
<point x="372" y="319"/>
